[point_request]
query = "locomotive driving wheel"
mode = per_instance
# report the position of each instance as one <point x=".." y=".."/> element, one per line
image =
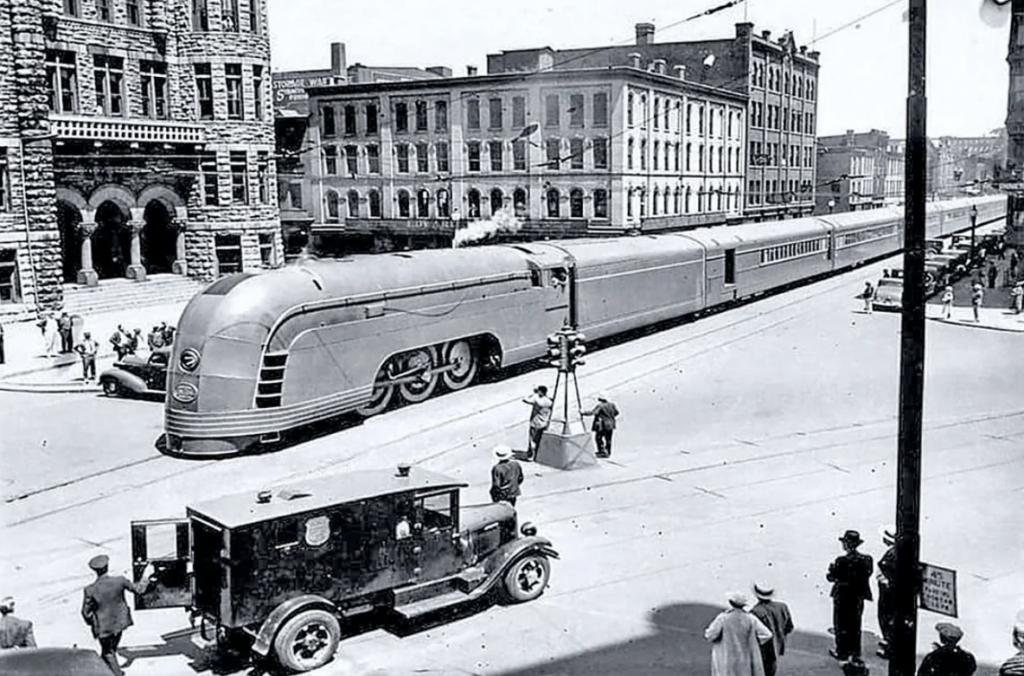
<point x="381" y="397"/>
<point x="460" y="355"/>
<point x="417" y="371"/>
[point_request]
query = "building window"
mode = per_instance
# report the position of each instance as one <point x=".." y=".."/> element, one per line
<point x="373" y="159"/>
<point x="668" y="116"/>
<point x="600" y="153"/>
<point x="519" y="155"/>
<point x="403" y="204"/>
<point x="518" y="112"/>
<point x="576" y="203"/>
<point x="200" y="16"/>
<point x="229" y="253"/>
<point x="577" y="110"/>
<point x="422" y="158"/>
<point x="108" y="72"/>
<point x="700" y="158"/>
<point x="263" y="177"/>
<point x="554" y="207"/>
<point x="576" y="153"/>
<point x="700" y="120"/>
<point x="495" y="116"/>
<point x="551" y="111"/>
<point x="473" y="114"/>
<point x="102" y="9"/>
<point x="208" y="174"/>
<point x="350" y="120"/>
<point x="327" y="122"/>
<point x="371" y="118"/>
<point x="600" y="203"/>
<point x="421" y="116"/>
<point x="643" y="111"/>
<point x="257" y="91"/>
<point x="10" y="291"/>
<point x="229" y="15"/>
<point x="402" y="150"/>
<point x="133" y="12"/>
<point x="473" y="200"/>
<point x="689" y="152"/>
<point x="153" y="76"/>
<point x="629" y="109"/>
<point x="675" y="157"/>
<point x="331" y="160"/>
<point x="497" y="163"/>
<point x="497" y="201"/>
<point x="601" y="110"/>
<point x="440" y="116"/>
<point x="352" y="160"/>
<point x="254" y="16"/>
<point x="352" y="199"/>
<point x="657" y="155"/>
<point x="654" y="202"/>
<point x="71" y="7"/>
<point x="62" y="81"/>
<point x="656" y="116"/>
<point x="239" y="191"/>
<point x="444" y="205"/>
<point x="629" y="203"/>
<point x="401" y="117"/>
<point x="441" y="157"/>
<point x="643" y="155"/>
<point x="554" y="147"/>
<point x="333" y="211"/>
<point x="374" y="198"/>
<point x="267" y="257"/>
<point x="233" y="79"/>
<point x="519" y="203"/>
<point x="5" y="182"/>
<point x="630" y="147"/>
<point x="474" y="155"/>
<point x="423" y="203"/>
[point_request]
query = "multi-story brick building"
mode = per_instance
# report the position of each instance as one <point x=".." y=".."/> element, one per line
<point x="779" y="78"/>
<point x="568" y="151"/>
<point x="895" y="174"/>
<point x="136" y="137"/>
<point x="852" y="171"/>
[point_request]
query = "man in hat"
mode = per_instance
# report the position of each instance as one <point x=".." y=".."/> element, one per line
<point x="104" y="608"/>
<point x="886" y="574"/>
<point x="774" y="615"/>
<point x="850" y="575"/>
<point x="736" y="637"/>
<point x="540" y="418"/>
<point x="604" y="424"/>
<point x="1015" y="665"/>
<point x="506" y="476"/>
<point x="947" y="658"/>
<point x="88" y="349"/>
<point x="14" y="631"/>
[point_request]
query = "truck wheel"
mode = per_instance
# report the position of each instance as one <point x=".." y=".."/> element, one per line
<point x="308" y="640"/>
<point x="111" y="388"/>
<point x="527" y="578"/>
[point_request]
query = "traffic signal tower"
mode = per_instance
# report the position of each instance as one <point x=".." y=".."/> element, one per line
<point x="566" y="444"/>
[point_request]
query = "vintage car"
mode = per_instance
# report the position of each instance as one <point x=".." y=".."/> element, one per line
<point x="888" y="294"/>
<point x="52" y="662"/>
<point x="134" y="375"/>
<point x="279" y="571"/>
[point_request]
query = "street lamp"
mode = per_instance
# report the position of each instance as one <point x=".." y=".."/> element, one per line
<point x="974" y="225"/>
<point x="831" y="205"/>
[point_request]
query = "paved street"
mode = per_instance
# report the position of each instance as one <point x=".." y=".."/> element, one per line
<point x="749" y="441"/>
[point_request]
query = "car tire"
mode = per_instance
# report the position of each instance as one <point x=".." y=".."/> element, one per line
<point x="308" y="640"/>
<point x="527" y="578"/>
<point x="111" y="387"/>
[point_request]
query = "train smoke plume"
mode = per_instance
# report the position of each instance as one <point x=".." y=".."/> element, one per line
<point x="478" y="231"/>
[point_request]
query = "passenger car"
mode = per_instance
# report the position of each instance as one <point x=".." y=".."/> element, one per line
<point x="888" y="294"/>
<point x="280" y="571"/>
<point x="135" y="375"/>
<point x="52" y="662"/>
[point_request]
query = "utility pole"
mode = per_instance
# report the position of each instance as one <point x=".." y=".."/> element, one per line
<point x="908" y="498"/>
<point x="1015" y="127"/>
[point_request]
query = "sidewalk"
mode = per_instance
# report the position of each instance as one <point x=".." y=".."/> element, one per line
<point x="996" y="319"/>
<point x="28" y="369"/>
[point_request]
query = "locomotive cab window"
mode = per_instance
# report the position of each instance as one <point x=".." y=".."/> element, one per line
<point x="558" y="278"/>
<point x="730" y="266"/>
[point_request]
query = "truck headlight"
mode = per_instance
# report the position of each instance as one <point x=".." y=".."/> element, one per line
<point x="528" y="529"/>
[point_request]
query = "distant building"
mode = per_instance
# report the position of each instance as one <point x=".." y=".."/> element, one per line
<point x="895" y="174"/>
<point x="974" y="161"/>
<point x="779" y="78"/>
<point x="852" y="171"/>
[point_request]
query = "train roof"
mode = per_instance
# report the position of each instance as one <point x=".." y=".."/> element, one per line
<point x="756" y="232"/>
<point x="853" y="219"/>
<point x="597" y="251"/>
<point x="243" y="509"/>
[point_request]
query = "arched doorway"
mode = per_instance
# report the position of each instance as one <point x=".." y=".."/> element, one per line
<point x="158" y="238"/>
<point x="68" y="220"/>
<point x="111" y="244"/>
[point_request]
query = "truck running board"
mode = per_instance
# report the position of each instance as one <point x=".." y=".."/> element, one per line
<point x="429" y="605"/>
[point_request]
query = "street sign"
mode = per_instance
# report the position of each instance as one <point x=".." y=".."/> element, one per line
<point x="938" y="590"/>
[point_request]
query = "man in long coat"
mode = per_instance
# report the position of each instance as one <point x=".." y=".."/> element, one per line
<point x="736" y="637"/>
<point x="14" y="631"/>
<point x="886" y="574"/>
<point x="850" y="575"/>
<point x="774" y="615"/>
<point x="105" y="610"/>
<point x="603" y="427"/>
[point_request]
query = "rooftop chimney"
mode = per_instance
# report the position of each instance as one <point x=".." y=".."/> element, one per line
<point x="803" y="49"/>
<point x="443" y="71"/>
<point x="659" y="66"/>
<point x="470" y="71"/>
<point x="634" y="60"/>
<point x="339" y="68"/>
<point x="680" y="72"/>
<point x="644" y="32"/>
<point x="766" y="35"/>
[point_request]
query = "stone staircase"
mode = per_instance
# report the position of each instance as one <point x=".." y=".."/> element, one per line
<point x="117" y="294"/>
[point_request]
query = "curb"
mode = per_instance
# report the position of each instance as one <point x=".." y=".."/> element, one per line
<point x="973" y="325"/>
<point x="62" y="364"/>
<point x="49" y="388"/>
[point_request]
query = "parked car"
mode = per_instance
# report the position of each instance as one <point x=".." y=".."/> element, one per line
<point x="134" y="375"/>
<point x="52" y="662"/>
<point x="278" y="571"/>
<point x="888" y="294"/>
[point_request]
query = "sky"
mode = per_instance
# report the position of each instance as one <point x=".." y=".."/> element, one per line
<point x="863" y="78"/>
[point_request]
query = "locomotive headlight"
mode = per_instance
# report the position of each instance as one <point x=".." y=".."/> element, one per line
<point x="189" y="360"/>
<point x="185" y="393"/>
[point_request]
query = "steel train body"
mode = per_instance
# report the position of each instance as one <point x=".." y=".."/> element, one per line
<point x="260" y="354"/>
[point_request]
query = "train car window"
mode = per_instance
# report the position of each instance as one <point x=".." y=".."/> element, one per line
<point x="535" y="278"/>
<point x="730" y="266"/>
<point x="559" y="277"/>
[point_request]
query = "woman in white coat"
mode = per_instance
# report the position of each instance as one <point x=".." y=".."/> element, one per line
<point x="736" y="637"/>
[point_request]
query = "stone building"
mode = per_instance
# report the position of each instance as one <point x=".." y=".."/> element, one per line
<point x="852" y="171"/>
<point x="136" y="137"/>
<point x="779" y="78"/>
<point x="569" y="152"/>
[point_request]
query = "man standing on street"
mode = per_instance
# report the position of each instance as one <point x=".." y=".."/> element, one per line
<point x="104" y="608"/>
<point x="868" y="294"/>
<point x="604" y="424"/>
<point x="850" y="575"/>
<point x="14" y="632"/>
<point x="540" y="418"/>
<point x="886" y="573"/>
<point x="64" y="327"/>
<point x="774" y="615"/>
<point x="88" y="349"/>
<point x="736" y="637"/>
<point x="506" y="476"/>
<point x="948" y="658"/>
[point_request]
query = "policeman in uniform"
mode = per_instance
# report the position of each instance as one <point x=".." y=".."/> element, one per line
<point x="886" y="574"/>
<point x="104" y="608"/>
<point x="850" y="575"/>
<point x="948" y="658"/>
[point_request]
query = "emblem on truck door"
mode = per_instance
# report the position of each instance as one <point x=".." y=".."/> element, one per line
<point x="318" y="531"/>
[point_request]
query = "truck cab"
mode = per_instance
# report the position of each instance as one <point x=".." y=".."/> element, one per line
<point x="280" y="570"/>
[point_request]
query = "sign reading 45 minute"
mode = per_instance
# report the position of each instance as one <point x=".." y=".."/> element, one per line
<point x="938" y="589"/>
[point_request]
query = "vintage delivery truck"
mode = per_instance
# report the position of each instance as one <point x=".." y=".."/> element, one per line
<point x="280" y="571"/>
